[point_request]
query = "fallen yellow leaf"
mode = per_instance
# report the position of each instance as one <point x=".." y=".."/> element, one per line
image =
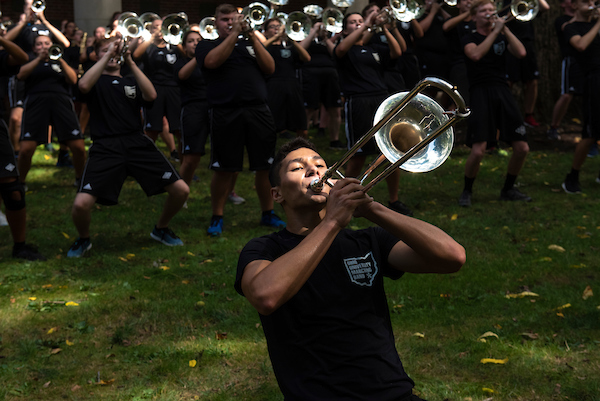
<point x="565" y="306"/>
<point x="47" y="286"/>
<point x="578" y="266"/>
<point x="55" y="351"/>
<point x="71" y="303"/>
<point x="185" y="281"/>
<point x="488" y="390"/>
<point x="130" y="255"/>
<point x="545" y="259"/>
<point x="587" y="292"/>
<point x="47" y="157"/>
<point x="560" y="314"/>
<point x="164" y="268"/>
<point x="32" y="298"/>
<point x="522" y="295"/>
<point x="191" y="254"/>
<point x="69" y="343"/>
<point x="52" y="330"/>
<point x="66" y="235"/>
<point x="454" y="216"/>
<point x="487" y="334"/>
<point x="123" y="259"/>
<point x="193" y="363"/>
<point x="557" y="248"/>
<point x="420" y="335"/>
<point x="491" y="360"/>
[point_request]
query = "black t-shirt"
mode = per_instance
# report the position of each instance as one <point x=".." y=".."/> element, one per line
<point x="192" y="89"/>
<point x="380" y="39"/>
<point x="239" y="81"/>
<point x="71" y="55"/>
<point x="455" y="36"/>
<point x="565" y="48"/>
<point x="319" y="56"/>
<point x="523" y="30"/>
<point x="491" y="69"/>
<point x="589" y="59"/>
<point x="333" y="340"/>
<point x="26" y="37"/>
<point x="115" y="104"/>
<point x="361" y="70"/>
<point x="47" y="76"/>
<point x="159" y="64"/>
<point x="5" y="69"/>
<point x="287" y="62"/>
<point x="435" y="39"/>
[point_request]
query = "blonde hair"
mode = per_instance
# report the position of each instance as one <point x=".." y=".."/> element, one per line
<point x="478" y="3"/>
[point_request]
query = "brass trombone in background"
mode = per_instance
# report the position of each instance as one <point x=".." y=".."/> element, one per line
<point x="413" y="132"/>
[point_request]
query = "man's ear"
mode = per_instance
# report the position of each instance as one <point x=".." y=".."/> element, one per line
<point x="276" y="194"/>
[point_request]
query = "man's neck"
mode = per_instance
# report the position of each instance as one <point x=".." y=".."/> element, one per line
<point x="112" y="73"/>
<point x="303" y="222"/>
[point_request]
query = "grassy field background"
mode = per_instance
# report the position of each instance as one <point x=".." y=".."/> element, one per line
<point x="137" y="320"/>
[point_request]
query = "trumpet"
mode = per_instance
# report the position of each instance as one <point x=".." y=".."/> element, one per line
<point x="407" y="10"/>
<point x="412" y="131"/>
<point x="38" y="6"/>
<point x="147" y="19"/>
<point x="129" y="26"/>
<point x="55" y="52"/>
<point x="173" y="28"/>
<point x="333" y="20"/>
<point x="297" y="25"/>
<point x="313" y="11"/>
<point x="521" y="10"/>
<point x="255" y="14"/>
<point x="208" y="28"/>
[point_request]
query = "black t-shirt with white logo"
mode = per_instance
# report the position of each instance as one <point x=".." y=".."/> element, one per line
<point x="159" y="63"/>
<point x="238" y="81"/>
<point x="287" y="62"/>
<point x="333" y="340"/>
<point x="114" y="104"/>
<point x="192" y="89"/>
<point x="455" y="36"/>
<point x="47" y="76"/>
<point x="361" y="70"/>
<point x="491" y="68"/>
<point x="589" y="59"/>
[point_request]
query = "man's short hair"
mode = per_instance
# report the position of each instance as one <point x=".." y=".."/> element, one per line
<point x="478" y="3"/>
<point x="103" y="42"/>
<point x="284" y="150"/>
<point x="267" y="22"/>
<point x="225" y="9"/>
<point x="367" y="8"/>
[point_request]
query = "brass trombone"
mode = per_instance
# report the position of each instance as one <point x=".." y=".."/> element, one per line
<point x="407" y="10"/>
<point x="297" y="26"/>
<point x="412" y="131"/>
<point x="173" y="28"/>
<point x="208" y="28"/>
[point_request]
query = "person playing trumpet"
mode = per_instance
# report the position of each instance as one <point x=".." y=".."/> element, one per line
<point x="582" y="35"/>
<point x="493" y="106"/>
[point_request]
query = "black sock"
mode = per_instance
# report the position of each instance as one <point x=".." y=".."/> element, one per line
<point x="574" y="174"/>
<point x="62" y="153"/>
<point x="18" y="246"/>
<point x="469" y="184"/>
<point x="509" y="182"/>
<point x="216" y="217"/>
<point x="267" y="212"/>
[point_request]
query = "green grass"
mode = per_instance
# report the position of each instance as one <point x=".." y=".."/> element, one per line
<point x="145" y="310"/>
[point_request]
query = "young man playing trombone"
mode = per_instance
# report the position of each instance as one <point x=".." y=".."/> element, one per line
<point x="120" y="147"/>
<point x="493" y="106"/>
<point x="318" y="286"/>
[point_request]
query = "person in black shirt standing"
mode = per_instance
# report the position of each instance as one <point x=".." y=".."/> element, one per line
<point x="319" y="287"/>
<point x="120" y="147"/>
<point x="582" y="35"/>
<point x="493" y="106"/>
<point x="48" y="102"/>
<point x="285" y="93"/>
<point x="235" y="72"/>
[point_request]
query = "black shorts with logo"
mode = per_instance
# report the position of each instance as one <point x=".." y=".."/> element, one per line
<point x="360" y="112"/>
<point x="286" y="104"/>
<point x="8" y="163"/>
<point x="168" y="104"/>
<point x="112" y="159"/>
<point x="43" y="109"/>
<point x="194" y="128"/>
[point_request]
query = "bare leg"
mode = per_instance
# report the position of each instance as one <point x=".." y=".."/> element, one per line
<point x="581" y="151"/>
<point x="474" y="160"/>
<point x="16" y="218"/>
<point x="14" y="127"/>
<point x="220" y="187"/>
<point x="77" y="147"/>
<point x="178" y="193"/>
<point x="188" y="166"/>
<point x="81" y="213"/>
<point x="517" y="160"/>
<point x="335" y="119"/>
<point x="25" y="155"/>
<point x="263" y="190"/>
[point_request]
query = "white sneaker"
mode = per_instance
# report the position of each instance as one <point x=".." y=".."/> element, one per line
<point x="235" y="198"/>
<point x="3" y="221"/>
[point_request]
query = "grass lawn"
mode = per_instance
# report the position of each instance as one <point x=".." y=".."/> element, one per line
<point x="137" y="320"/>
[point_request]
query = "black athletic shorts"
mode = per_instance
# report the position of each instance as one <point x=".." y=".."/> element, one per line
<point x="523" y="69"/>
<point x="360" y="111"/>
<point x="194" y="128"/>
<point x="111" y="160"/>
<point x="394" y="81"/>
<point x="43" y="109"/>
<point x="8" y="163"/>
<point x="233" y="128"/>
<point x="459" y="78"/>
<point x="286" y="104"/>
<point x="571" y="77"/>
<point x="321" y="85"/>
<point x="591" y="107"/>
<point x="167" y="103"/>
<point x="16" y="92"/>
<point x="494" y="108"/>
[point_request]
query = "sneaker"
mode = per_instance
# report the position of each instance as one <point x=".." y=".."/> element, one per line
<point x="465" y="199"/>
<point x="337" y="144"/>
<point x="553" y="134"/>
<point x="175" y="156"/>
<point x="64" y="160"/>
<point x="593" y="151"/>
<point x="598" y="180"/>
<point x="27" y="252"/>
<point x="77" y="183"/>
<point x="235" y="198"/>
<point x="3" y="221"/>
<point x="166" y="236"/>
<point x="50" y="147"/>
<point x="216" y="227"/>
<point x="571" y="186"/>
<point x="400" y="207"/>
<point x="79" y="248"/>
<point x="514" y="194"/>
<point x="531" y="122"/>
<point x="272" y="220"/>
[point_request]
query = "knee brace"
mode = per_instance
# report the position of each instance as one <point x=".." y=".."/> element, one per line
<point x="13" y="195"/>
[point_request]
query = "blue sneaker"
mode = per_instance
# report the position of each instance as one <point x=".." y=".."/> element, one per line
<point x="166" y="236"/>
<point x="272" y="220"/>
<point x="79" y="248"/>
<point x="216" y="227"/>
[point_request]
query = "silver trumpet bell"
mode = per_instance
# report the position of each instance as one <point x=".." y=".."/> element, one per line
<point x="55" y="52"/>
<point x="343" y="4"/>
<point x="333" y="20"/>
<point x="173" y="27"/>
<point x="297" y="26"/>
<point x="132" y="27"/>
<point x="407" y="10"/>
<point x="38" y="6"/>
<point x="524" y="10"/>
<point x="412" y="131"/>
<point x="256" y="14"/>
<point x="313" y="11"/>
<point x="208" y="28"/>
<point x="147" y="19"/>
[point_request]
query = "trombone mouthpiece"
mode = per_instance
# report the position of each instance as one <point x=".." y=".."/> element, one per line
<point x="316" y="185"/>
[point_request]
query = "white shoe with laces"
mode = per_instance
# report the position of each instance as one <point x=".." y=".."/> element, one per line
<point x="3" y="221"/>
